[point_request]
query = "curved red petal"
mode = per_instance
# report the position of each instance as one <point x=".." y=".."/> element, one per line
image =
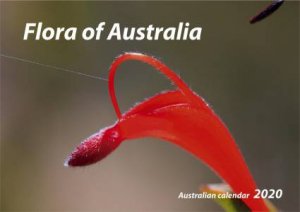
<point x="201" y="133"/>
<point x="192" y="97"/>
<point x="160" y="100"/>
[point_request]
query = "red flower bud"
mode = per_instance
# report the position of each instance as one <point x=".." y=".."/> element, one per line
<point x="96" y="147"/>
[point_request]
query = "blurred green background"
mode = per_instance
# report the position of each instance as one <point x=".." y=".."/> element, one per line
<point x="248" y="73"/>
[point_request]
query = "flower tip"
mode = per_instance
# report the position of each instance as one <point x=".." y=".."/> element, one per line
<point x="70" y="161"/>
<point x="94" y="148"/>
<point x="73" y="160"/>
<point x="66" y="163"/>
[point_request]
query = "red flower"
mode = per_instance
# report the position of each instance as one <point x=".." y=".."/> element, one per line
<point x="180" y="117"/>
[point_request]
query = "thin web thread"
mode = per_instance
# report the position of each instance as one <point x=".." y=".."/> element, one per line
<point x="52" y="67"/>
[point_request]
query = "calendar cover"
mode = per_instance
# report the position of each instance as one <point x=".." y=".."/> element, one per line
<point x="151" y="106"/>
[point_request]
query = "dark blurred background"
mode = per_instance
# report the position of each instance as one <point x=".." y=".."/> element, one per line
<point x="248" y="73"/>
